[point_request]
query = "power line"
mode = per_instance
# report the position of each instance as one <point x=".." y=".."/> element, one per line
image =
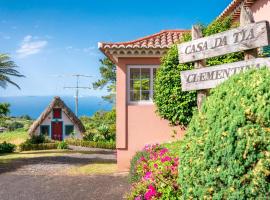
<point x="77" y="88"/>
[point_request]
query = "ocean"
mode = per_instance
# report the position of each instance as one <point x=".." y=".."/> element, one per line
<point x="35" y="105"/>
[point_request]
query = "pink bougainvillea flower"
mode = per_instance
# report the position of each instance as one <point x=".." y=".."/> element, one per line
<point x="145" y="166"/>
<point x="166" y="158"/>
<point x="163" y="151"/>
<point x="156" y="165"/>
<point x="147" y="147"/>
<point x="151" y="192"/>
<point x="148" y="175"/>
<point x="173" y="168"/>
<point x="142" y="158"/>
<point x="138" y="198"/>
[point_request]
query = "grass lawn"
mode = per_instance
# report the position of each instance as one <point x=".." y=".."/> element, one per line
<point x="94" y="169"/>
<point x="86" y="169"/>
<point x="15" y="137"/>
<point x="6" y="158"/>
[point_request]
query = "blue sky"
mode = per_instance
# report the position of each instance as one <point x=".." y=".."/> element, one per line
<point x="48" y="38"/>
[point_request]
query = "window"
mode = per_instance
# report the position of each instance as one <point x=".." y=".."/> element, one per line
<point x="45" y="130"/>
<point x="57" y="113"/>
<point x="141" y="81"/>
<point x="266" y="51"/>
<point x="69" y="129"/>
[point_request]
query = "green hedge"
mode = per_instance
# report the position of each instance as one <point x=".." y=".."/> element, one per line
<point x="7" y="147"/>
<point x="226" y="150"/>
<point x="41" y="146"/>
<point x="92" y="144"/>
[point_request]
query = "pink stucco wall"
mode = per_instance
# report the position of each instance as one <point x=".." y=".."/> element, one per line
<point x="261" y="10"/>
<point x="137" y="125"/>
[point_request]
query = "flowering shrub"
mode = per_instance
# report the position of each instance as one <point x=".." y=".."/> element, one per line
<point x="134" y="176"/>
<point x="158" y="175"/>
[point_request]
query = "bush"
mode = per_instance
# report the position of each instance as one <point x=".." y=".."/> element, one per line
<point x="42" y="146"/>
<point x="4" y="109"/>
<point x="157" y="175"/>
<point x="36" y="139"/>
<point x="38" y="142"/>
<point x="226" y="151"/>
<point x="134" y="176"/>
<point x="62" y="145"/>
<point x="172" y="103"/>
<point x="7" y="147"/>
<point x="100" y="127"/>
<point x="14" y="125"/>
<point x="91" y="144"/>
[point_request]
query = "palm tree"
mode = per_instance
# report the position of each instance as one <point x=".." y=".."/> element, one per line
<point x="7" y="69"/>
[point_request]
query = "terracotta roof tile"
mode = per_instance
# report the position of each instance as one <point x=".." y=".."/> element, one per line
<point x="163" y="39"/>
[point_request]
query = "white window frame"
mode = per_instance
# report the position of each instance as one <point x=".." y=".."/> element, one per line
<point x="141" y="102"/>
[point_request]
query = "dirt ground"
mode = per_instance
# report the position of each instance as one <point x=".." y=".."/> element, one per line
<point x="47" y="177"/>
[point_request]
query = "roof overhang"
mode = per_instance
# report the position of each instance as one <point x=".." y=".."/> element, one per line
<point x="154" y="46"/>
<point x="115" y="53"/>
<point x="234" y="8"/>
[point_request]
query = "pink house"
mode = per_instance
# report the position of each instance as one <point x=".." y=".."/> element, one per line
<point x="137" y="123"/>
<point x="259" y="8"/>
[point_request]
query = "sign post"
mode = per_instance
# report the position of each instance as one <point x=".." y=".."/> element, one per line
<point x="210" y="77"/>
<point x="201" y="94"/>
<point x="247" y="38"/>
<point x="246" y="17"/>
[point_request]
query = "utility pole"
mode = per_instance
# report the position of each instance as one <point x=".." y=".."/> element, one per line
<point x="77" y="88"/>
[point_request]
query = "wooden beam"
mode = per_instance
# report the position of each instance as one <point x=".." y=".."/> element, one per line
<point x="246" y="18"/>
<point x="248" y="36"/>
<point x="210" y="77"/>
<point x="201" y="94"/>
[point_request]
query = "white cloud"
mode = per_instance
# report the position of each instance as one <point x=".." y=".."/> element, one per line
<point x="91" y="50"/>
<point x="88" y="49"/>
<point x="69" y="47"/>
<point x="30" y="46"/>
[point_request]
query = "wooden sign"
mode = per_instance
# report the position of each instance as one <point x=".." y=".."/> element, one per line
<point x="210" y="77"/>
<point x="246" y="37"/>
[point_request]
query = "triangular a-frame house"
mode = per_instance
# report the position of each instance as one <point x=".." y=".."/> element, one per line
<point x="57" y="122"/>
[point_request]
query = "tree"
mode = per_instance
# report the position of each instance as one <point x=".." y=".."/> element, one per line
<point x="7" y="69"/>
<point x="108" y="78"/>
<point x="4" y="109"/>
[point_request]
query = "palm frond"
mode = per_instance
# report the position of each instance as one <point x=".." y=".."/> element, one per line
<point x="7" y="69"/>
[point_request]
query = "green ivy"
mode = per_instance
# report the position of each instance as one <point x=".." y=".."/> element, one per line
<point x="226" y="151"/>
<point x="172" y="103"/>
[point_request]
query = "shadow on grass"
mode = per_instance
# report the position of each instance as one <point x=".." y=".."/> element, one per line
<point x="104" y="152"/>
<point x="51" y="160"/>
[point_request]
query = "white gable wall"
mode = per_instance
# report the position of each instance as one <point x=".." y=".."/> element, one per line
<point x="65" y="120"/>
